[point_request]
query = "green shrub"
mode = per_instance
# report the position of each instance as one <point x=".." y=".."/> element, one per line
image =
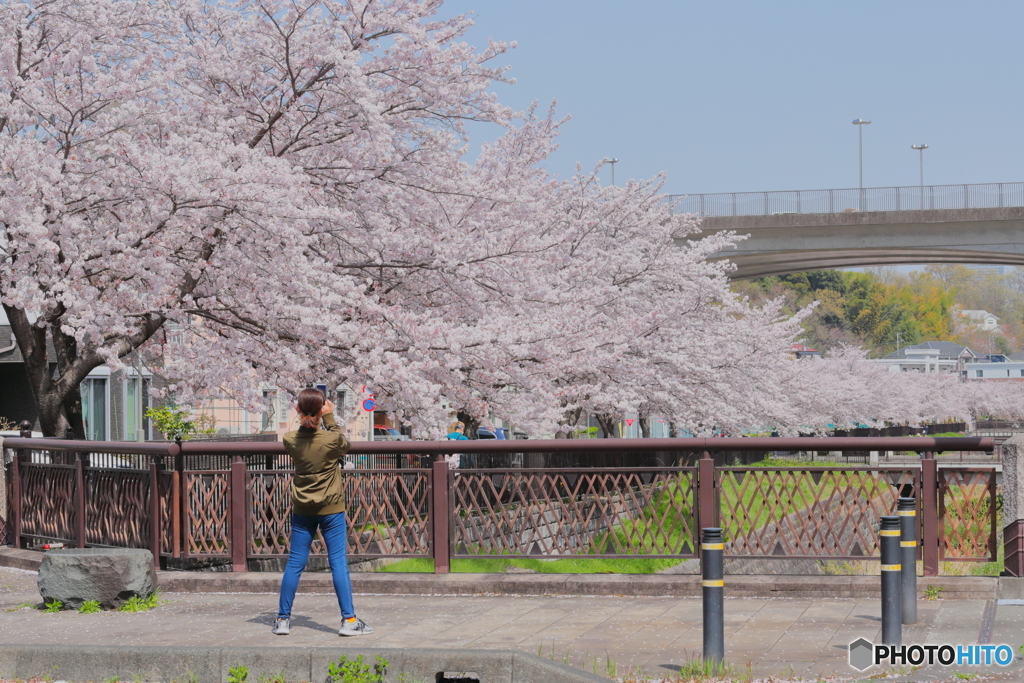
<point x="238" y="673"/>
<point x="53" y="607"/>
<point x="174" y="422"/>
<point x="90" y="607"/>
<point x="139" y="604"/>
<point x="355" y="671"/>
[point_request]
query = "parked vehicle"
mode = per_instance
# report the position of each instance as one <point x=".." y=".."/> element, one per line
<point x="384" y="433"/>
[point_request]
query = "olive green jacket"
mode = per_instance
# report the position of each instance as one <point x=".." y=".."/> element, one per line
<point x="317" y="488"/>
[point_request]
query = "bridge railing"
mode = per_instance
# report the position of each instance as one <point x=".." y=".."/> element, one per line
<point x="911" y="198"/>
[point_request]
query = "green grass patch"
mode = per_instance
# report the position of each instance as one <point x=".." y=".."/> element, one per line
<point x="22" y="605"/>
<point x="569" y="565"/>
<point x="769" y="461"/>
<point x="665" y="525"/>
<point x="747" y="505"/>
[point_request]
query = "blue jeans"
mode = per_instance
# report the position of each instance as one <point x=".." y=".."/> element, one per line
<point x="303" y="532"/>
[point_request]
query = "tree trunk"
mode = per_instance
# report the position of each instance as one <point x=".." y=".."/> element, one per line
<point x="56" y="389"/>
<point x="572" y="422"/>
<point x="645" y="427"/>
<point x="609" y="425"/>
<point x="48" y="395"/>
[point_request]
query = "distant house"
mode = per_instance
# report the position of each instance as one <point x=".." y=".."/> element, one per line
<point x="996" y="366"/>
<point x="978" y="319"/>
<point x="802" y="351"/>
<point x="928" y="357"/>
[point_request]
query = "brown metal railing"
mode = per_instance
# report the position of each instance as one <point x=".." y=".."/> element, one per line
<point x="240" y="512"/>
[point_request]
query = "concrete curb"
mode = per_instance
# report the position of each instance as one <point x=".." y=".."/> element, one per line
<point x="632" y="585"/>
<point x="211" y="664"/>
<point x="21" y="559"/>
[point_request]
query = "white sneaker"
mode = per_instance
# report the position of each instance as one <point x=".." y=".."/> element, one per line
<point x="282" y="627"/>
<point x="354" y="626"/>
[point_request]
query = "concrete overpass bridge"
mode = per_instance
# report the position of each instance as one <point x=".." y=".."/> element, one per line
<point x="818" y="229"/>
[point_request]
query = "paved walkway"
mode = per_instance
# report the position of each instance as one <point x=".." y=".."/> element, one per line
<point x="806" y="637"/>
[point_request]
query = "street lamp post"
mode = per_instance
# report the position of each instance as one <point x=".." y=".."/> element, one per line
<point x="921" y="148"/>
<point x="609" y="160"/>
<point x="860" y="123"/>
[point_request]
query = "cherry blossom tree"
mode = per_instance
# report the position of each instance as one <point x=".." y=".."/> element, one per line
<point x="283" y="192"/>
<point x="846" y="389"/>
<point x="287" y="185"/>
<point x="218" y="165"/>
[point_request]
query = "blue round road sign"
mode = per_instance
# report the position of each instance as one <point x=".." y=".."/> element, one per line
<point x="369" y="404"/>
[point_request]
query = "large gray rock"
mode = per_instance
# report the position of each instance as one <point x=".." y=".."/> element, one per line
<point x="110" y="575"/>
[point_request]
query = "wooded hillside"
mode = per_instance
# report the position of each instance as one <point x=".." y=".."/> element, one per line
<point x="870" y="309"/>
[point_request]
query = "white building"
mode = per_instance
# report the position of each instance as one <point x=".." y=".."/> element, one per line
<point x="998" y="367"/>
<point x="930" y="357"/>
<point x="978" y="319"/>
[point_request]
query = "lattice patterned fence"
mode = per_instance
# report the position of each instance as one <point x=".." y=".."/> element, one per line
<point x="243" y="512"/>
<point x="642" y="512"/>
<point x="206" y="514"/>
<point x="807" y="513"/>
<point x="967" y="519"/>
<point x="388" y="513"/>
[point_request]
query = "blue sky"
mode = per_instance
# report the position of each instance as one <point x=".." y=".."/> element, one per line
<point x="745" y="96"/>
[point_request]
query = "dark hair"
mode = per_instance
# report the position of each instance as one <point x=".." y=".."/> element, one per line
<point x="309" y="404"/>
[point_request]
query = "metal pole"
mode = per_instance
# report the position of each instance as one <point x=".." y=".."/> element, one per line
<point x="155" y="525"/>
<point x="889" y="544"/>
<point x="906" y="509"/>
<point x="439" y="515"/>
<point x="930" y="514"/>
<point x="79" y="501"/>
<point x="860" y="157"/>
<point x="713" y="587"/>
<point x="921" y="148"/>
<point x="237" y="521"/>
<point x="706" y="490"/>
<point x="860" y="123"/>
<point x="21" y="457"/>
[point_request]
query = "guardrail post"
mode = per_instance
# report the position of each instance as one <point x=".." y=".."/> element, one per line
<point x="14" y="501"/>
<point x="178" y="501"/>
<point x="712" y="590"/>
<point x="79" y="500"/>
<point x="237" y="520"/>
<point x="154" y="509"/>
<point x="706" y="490"/>
<point x="906" y="510"/>
<point x="440" y="509"/>
<point x="1013" y="506"/>
<point x="21" y="456"/>
<point x="889" y="542"/>
<point x="930" y="514"/>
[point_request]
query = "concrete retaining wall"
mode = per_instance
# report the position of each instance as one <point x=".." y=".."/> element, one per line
<point x="552" y="528"/>
<point x="211" y="664"/>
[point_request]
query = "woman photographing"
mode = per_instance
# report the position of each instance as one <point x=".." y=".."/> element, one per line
<point x="318" y="502"/>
